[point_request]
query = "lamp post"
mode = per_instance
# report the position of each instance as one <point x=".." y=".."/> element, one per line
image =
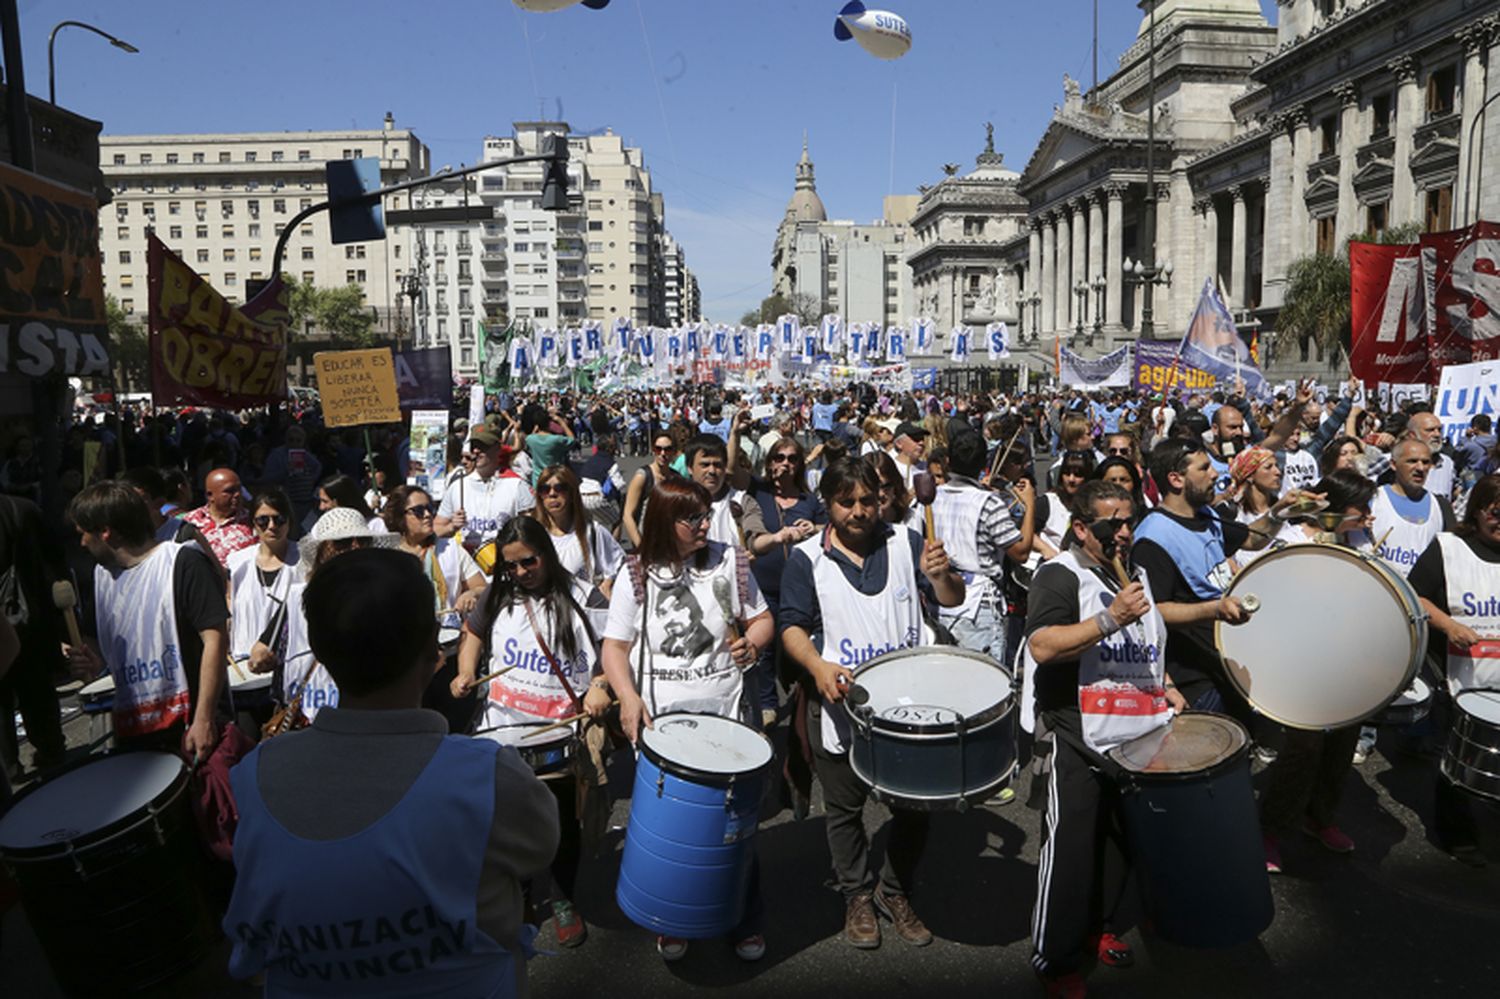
<point x="1081" y="298"/>
<point x="1147" y="274"/>
<point x="1100" y="286"/>
<point x="118" y="43"/>
<point x="1035" y="301"/>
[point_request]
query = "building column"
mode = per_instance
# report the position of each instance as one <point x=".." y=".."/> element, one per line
<point x="1408" y="117"/>
<point x="1239" y="238"/>
<point x="1347" y="221"/>
<point x="1298" y="220"/>
<point x="1475" y="38"/>
<point x="1098" y="266"/>
<point x="1064" y="295"/>
<point x="1048" y="284"/>
<point x="1208" y="229"/>
<point x="1033" y="274"/>
<point x="1275" y="250"/>
<point x="1080" y="260"/>
<point x="1114" y="253"/>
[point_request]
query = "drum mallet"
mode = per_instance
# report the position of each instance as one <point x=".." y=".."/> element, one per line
<point x="925" y="486"/>
<point x="65" y="600"/>
<point x="721" y="594"/>
<point x="1004" y="453"/>
<point x="564" y="722"/>
<point x="479" y="681"/>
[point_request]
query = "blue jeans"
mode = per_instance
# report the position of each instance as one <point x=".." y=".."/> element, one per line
<point x="984" y="632"/>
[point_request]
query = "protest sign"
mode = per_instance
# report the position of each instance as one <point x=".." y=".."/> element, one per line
<point x="357" y="386"/>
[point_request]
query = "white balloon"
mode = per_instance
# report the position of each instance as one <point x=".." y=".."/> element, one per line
<point x="545" y="6"/>
<point x="879" y="32"/>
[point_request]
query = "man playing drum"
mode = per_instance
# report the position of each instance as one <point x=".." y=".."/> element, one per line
<point x="168" y="666"/>
<point x="858" y="586"/>
<point x="1184" y="547"/>
<point x="1458" y="581"/>
<point x="1098" y="678"/>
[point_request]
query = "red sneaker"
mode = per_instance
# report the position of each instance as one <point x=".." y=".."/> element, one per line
<point x="571" y="929"/>
<point x="1332" y="838"/>
<point x="1113" y="951"/>
<point x="1273" y="853"/>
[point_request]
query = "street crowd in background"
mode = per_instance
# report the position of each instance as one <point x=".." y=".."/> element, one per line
<point x="707" y="549"/>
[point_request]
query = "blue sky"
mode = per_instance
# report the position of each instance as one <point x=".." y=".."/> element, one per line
<point x="717" y="93"/>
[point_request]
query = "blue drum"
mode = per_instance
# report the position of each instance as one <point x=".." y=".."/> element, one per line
<point x="693" y="815"/>
<point x="937" y="729"/>
<point x="1194" y="834"/>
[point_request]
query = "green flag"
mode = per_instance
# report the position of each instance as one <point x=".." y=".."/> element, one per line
<point x="494" y="351"/>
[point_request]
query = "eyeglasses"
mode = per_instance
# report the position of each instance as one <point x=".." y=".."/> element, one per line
<point x="1492" y="512"/>
<point x="668" y="449"/>
<point x="695" y="520"/>
<point x="550" y="488"/>
<point x="529" y="562"/>
<point x="1119" y="450"/>
<point x="1115" y="523"/>
<point x="421" y="511"/>
<point x="268" y="521"/>
<point x="790" y="456"/>
<point x="347" y="544"/>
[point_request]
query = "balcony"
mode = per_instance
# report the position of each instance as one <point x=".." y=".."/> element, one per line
<point x="1324" y="166"/>
<point x="492" y="257"/>
<point x="1443" y="129"/>
<point x="465" y="277"/>
<point x="439" y="249"/>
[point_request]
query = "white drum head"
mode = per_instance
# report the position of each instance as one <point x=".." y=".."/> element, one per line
<point x="1481" y="704"/>
<point x="104" y="685"/>
<point x="86" y="799"/>
<point x="449" y="636"/>
<point x="1417" y="693"/>
<point x="243" y="681"/>
<point x="1334" y="639"/>
<point x="1187" y="744"/>
<point x="933" y="685"/>
<point x="707" y="743"/>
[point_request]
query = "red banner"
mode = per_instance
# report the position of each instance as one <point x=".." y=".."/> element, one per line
<point x="1462" y="289"/>
<point x="207" y="352"/>
<point x="1386" y="314"/>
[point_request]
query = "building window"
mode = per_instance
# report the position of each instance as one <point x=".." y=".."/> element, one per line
<point x="466" y="356"/>
<point x="230" y="280"/>
<point x="1328" y="136"/>
<point x="128" y="304"/>
<point x="303" y="204"/>
<point x="119" y="159"/>
<point x="303" y="155"/>
<point x="305" y="228"/>
<point x="277" y="155"/>
<point x="174" y="208"/>
<point x="124" y="256"/>
<point x="596" y="247"/>
<point x="228" y="254"/>
<point x="201" y="232"/>
<point x="307" y="253"/>
<point x="1439" y="209"/>
<point x="1375" y="219"/>
<point x="224" y="157"/>
<point x="249" y="156"/>
<point x="1440" y="86"/>
<point x="1325" y="234"/>
<point x="1380" y="116"/>
<point x="197" y="157"/>
<point x="279" y="206"/>
<point x="348" y="277"/>
<point x="541" y="312"/>
<point x="254" y="253"/>
<point x="127" y="281"/>
<point x="442" y="330"/>
<point x="226" y="208"/>
<point x="465" y="330"/>
<point x="360" y="276"/>
<point x="203" y="256"/>
<point x="174" y="232"/>
<point x="307" y="277"/>
<point x="227" y="232"/>
<point x="254" y="230"/>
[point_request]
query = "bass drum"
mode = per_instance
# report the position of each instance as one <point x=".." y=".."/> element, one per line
<point x="1299" y="660"/>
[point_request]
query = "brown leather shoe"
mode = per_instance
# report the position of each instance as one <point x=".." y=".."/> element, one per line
<point x="861" y="928"/>
<point x="899" y="911"/>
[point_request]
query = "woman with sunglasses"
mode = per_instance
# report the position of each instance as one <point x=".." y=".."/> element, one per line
<point x="582" y="548"/>
<point x="260" y="581"/>
<point x="670" y="646"/>
<point x="534" y="617"/>
<point x="659" y="469"/>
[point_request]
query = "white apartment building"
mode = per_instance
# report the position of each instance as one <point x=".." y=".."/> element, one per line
<point x="221" y="200"/>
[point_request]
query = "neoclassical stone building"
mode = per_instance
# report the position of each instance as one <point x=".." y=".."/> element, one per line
<point x="1086" y="182"/>
<point x="957" y="253"/>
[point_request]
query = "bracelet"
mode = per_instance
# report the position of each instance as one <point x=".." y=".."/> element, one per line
<point x="1107" y="623"/>
<point x="1169" y="685"/>
<point x="599" y="683"/>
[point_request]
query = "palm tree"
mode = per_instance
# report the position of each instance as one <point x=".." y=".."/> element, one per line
<point x="1317" y="293"/>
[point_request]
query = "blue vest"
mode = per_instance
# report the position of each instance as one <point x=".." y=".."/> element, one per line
<point x="1197" y="553"/>
<point x="388" y="911"/>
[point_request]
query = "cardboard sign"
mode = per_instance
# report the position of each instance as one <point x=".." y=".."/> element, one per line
<point x="357" y="386"/>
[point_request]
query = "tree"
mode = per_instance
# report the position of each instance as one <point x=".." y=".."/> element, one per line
<point x="1316" y="309"/>
<point x="808" y="309"/>
<point x="339" y="312"/>
<point x="129" y="348"/>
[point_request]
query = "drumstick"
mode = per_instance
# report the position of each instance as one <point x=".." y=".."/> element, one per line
<point x="1381" y="543"/>
<point x="1001" y="455"/>
<point x="562" y="722"/>
<point x="64" y="599"/>
<point x="490" y="676"/>
<point x="1120" y="572"/>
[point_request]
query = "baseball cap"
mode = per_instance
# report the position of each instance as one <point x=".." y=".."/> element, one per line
<point x="911" y="430"/>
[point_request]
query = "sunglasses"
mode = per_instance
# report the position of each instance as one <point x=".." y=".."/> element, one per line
<point x="528" y="563"/>
<point x="1115" y="523"/>
<point x="1119" y="450"/>
<point x="695" y="520"/>
<point x="421" y="511"/>
<point x="777" y="459"/>
<point x="551" y="488"/>
<point x="669" y="449"/>
<point x="348" y="544"/>
<point x="269" y="520"/>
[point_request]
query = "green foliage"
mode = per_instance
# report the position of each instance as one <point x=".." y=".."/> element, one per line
<point x="129" y="348"/>
<point x="806" y="307"/>
<point x="1317" y="301"/>
<point x="339" y="312"/>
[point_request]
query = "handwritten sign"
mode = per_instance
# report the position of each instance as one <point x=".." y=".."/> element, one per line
<point x="52" y="317"/>
<point x="357" y="386"/>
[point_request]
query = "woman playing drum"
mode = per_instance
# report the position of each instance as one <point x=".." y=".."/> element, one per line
<point x="533" y="623"/>
<point x="685" y="619"/>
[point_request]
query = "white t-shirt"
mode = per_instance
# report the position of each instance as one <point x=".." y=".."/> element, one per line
<point x="487" y="504"/>
<point x="531" y="692"/>
<point x="687" y="665"/>
<point x="605" y="554"/>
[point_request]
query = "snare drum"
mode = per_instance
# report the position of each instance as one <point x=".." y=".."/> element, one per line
<point x="1193" y="830"/>
<point x="1297" y="662"/>
<point x="1472" y="757"/>
<point x="1410" y="706"/>
<point x="98" y="696"/>
<point x="548" y="755"/>
<point x="689" y="847"/>
<point x="252" y="691"/>
<point x="109" y="866"/>
<point x="938" y="730"/>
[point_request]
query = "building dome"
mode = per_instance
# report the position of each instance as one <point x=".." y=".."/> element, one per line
<point x="805" y="205"/>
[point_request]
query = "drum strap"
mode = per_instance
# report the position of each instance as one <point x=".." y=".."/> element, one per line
<point x="541" y="643"/>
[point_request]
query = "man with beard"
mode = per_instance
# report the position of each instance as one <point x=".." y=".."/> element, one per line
<point x="858" y="587"/>
<point x="168" y="665"/>
<point x="1185" y="548"/>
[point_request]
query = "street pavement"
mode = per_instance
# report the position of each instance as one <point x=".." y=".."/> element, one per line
<point x="1396" y="918"/>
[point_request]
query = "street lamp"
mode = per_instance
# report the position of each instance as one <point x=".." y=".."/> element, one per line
<point x="1100" y="286"/>
<point x="1147" y="276"/>
<point x="118" y="43"/>
<point x="1035" y="301"/>
<point x="1081" y="295"/>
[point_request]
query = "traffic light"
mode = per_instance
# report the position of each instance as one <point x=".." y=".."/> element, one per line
<point x="555" y="188"/>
